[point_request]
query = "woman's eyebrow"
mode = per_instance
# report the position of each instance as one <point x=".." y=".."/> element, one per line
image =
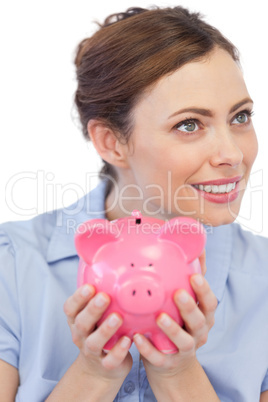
<point x="239" y="104"/>
<point x="209" y="113"/>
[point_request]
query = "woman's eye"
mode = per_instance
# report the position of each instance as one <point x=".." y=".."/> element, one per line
<point x="187" y="126"/>
<point x="243" y="117"/>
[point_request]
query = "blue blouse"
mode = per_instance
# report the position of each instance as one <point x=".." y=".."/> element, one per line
<point x="38" y="268"/>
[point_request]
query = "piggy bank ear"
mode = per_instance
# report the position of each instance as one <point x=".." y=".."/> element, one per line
<point x="187" y="233"/>
<point x="93" y="234"/>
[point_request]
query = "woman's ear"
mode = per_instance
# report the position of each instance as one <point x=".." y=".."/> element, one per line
<point x="107" y="143"/>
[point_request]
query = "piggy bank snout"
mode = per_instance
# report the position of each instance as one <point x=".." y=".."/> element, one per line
<point x="140" y="295"/>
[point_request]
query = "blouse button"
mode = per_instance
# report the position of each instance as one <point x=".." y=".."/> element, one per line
<point x="129" y="387"/>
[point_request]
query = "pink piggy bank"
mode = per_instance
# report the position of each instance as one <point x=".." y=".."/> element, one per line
<point x="140" y="262"/>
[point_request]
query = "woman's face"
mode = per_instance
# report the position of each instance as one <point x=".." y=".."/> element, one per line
<point x="193" y="143"/>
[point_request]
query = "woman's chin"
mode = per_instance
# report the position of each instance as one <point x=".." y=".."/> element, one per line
<point x="217" y="220"/>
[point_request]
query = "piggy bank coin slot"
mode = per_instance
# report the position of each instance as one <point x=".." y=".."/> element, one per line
<point x="137" y="215"/>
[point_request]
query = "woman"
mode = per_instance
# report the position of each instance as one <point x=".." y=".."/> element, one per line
<point x="161" y="95"/>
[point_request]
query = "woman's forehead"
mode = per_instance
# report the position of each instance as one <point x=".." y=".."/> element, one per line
<point x="196" y="84"/>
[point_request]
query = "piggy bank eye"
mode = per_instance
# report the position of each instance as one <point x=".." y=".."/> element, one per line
<point x="132" y="265"/>
<point x="150" y="265"/>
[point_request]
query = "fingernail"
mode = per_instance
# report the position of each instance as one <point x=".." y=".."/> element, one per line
<point x="113" y="321"/>
<point x="125" y="343"/>
<point x="183" y="297"/>
<point x="100" y="300"/>
<point x="165" y="320"/>
<point x="138" y="339"/>
<point x="198" y="280"/>
<point x="85" y="291"/>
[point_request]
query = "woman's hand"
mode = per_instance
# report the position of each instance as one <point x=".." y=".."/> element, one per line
<point x="83" y="310"/>
<point x="198" y="319"/>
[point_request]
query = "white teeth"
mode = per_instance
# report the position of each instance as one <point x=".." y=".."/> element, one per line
<point x="215" y="189"/>
<point x="229" y="187"/>
<point x="223" y="188"/>
<point x="207" y="189"/>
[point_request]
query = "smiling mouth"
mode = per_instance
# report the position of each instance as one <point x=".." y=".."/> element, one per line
<point x="216" y="189"/>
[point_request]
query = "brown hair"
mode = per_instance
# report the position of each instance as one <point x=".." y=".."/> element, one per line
<point x="130" y="52"/>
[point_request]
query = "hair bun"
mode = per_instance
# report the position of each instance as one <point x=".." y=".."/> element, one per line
<point x="130" y="12"/>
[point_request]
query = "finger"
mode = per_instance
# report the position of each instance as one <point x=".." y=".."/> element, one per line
<point x="202" y="260"/>
<point x="85" y="321"/>
<point x="207" y="301"/>
<point x="148" y="351"/>
<point x="75" y="303"/>
<point x="194" y="320"/>
<point x="181" y="338"/>
<point x="97" y="340"/>
<point x="117" y="354"/>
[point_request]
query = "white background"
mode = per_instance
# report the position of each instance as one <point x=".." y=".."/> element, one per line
<point x="45" y="163"/>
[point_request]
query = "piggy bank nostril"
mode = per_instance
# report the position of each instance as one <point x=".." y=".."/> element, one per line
<point x="149" y="292"/>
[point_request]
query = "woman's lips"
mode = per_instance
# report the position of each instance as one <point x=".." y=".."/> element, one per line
<point x="218" y="182"/>
<point x="219" y="191"/>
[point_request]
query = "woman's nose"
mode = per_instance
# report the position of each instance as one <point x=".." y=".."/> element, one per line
<point x="226" y="150"/>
